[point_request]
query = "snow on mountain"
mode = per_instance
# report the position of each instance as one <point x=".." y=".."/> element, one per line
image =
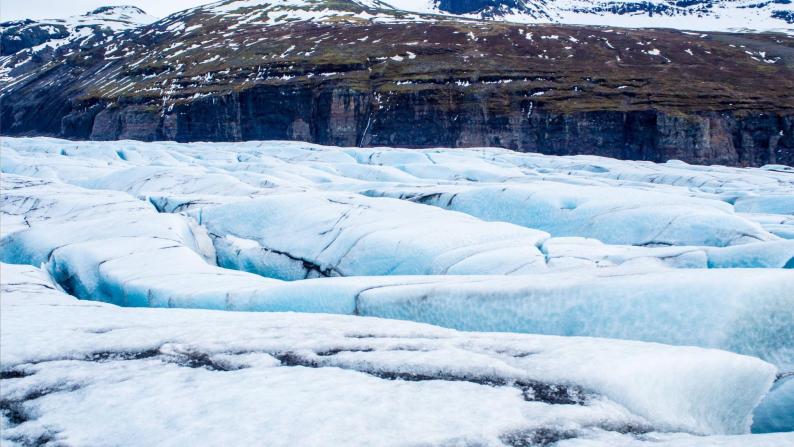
<point x="279" y="12"/>
<point x="701" y="15"/>
<point x="27" y="42"/>
<point x="31" y="41"/>
<point x="121" y="15"/>
<point x="35" y="35"/>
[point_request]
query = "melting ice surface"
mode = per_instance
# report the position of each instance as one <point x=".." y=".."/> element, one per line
<point x="475" y="240"/>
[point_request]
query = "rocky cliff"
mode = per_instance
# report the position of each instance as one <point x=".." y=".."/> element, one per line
<point x="349" y="74"/>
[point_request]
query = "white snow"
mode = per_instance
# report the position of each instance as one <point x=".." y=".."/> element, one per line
<point x="117" y="18"/>
<point x="774" y="413"/>
<point x="720" y="15"/>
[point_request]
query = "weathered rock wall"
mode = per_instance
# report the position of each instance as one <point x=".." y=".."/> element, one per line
<point x="339" y="115"/>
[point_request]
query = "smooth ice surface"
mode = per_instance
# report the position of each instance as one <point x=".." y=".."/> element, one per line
<point x="340" y="379"/>
<point x="350" y="235"/>
<point x="629" y="217"/>
<point x="740" y="310"/>
<point x="776" y="411"/>
<point x="27" y="201"/>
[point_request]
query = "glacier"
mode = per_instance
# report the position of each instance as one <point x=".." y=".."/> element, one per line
<point x="139" y="257"/>
<point x="62" y="357"/>
<point x="351" y="235"/>
<point x="680" y="262"/>
<point x="632" y="217"/>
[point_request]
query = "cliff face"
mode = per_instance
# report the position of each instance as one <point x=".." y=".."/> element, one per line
<point x="632" y="94"/>
<point x="339" y="116"/>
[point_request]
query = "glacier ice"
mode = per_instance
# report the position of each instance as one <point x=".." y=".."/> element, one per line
<point x="439" y="384"/>
<point x="482" y="239"/>
<point x="585" y="252"/>
<point x="775" y="414"/>
<point x="335" y="234"/>
<point x="137" y="257"/>
<point x="740" y="310"/>
<point x="623" y="216"/>
<point x="769" y="204"/>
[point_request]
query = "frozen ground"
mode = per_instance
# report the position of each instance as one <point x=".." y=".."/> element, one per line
<point x="479" y="240"/>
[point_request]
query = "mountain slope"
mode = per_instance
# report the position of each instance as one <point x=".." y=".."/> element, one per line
<point x="30" y="34"/>
<point x="355" y="73"/>
<point x="703" y="15"/>
<point x="25" y="41"/>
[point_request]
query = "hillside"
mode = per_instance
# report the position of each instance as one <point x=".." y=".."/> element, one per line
<point x="364" y="74"/>
<point x="31" y="36"/>
<point x="702" y="15"/>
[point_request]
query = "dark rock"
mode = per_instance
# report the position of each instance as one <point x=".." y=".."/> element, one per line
<point x="416" y="120"/>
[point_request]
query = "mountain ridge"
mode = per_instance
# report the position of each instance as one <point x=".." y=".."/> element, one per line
<point x="19" y="35"/>
<point x="363" y="74"/>
<point x="699" y="15"/>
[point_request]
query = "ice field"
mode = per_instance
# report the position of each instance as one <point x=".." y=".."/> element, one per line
<point x="638" y="303"/>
